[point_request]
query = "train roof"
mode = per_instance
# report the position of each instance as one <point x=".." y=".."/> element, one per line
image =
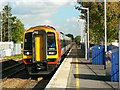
<point x="63" y="36"/>
<point x="49" y="27"/>
<point x="42" y="26"/>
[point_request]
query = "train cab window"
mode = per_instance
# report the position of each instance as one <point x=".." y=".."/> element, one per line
<point x="28" y="41"/>
<point x="51" y="43"/>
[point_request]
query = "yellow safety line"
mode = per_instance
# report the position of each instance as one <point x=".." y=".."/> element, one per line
<point x="39" y="79"/>
<point x="77" y="77"/>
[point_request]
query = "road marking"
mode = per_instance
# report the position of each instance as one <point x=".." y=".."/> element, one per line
<point x="77" y="76"/>
<point x="39" y="79"/>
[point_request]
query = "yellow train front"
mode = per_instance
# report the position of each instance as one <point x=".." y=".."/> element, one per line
<point x="41" y="50"/>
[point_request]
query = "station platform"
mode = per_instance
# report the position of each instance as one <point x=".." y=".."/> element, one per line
<point x="77" y="73"/>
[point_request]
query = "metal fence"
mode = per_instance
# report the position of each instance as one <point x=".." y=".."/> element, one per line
<point x="16" y="49"/>
<point x="9" y="48"/>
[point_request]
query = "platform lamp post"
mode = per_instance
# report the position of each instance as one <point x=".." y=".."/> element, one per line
<point x="81" y="33"/>
<point x="87" y="29"/>
<point x="1" y="25"/>
<point x="119" y="53"/>
<point x="105" y="26"/>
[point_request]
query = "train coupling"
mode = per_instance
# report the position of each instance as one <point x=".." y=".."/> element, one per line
<point x="41" y="66"/>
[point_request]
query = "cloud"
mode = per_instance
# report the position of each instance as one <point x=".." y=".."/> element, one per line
<point x="75" y="25"/>
<point x="23" y="7"/>
<point x="29" y="8"/>
<point x="33" y="12"/>
<point x="47" y="22"/>
<point x="62" y="2"/>
<point x="81" y="20"/>
<point x="73" y="19"/>
<point x="38" y="8"/>
<point x="41" y="12"/>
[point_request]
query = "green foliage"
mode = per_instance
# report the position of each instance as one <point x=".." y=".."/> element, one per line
<point x="5" y="15"/>
<point x="96" y="14"/>
<point x="14" y="57"/>
<point x="70" y="35"/>
<point x="113" y="13"/>
<point x="17" y="31"/>
<point x="77" y="40"/>
<point x="12" y="28"/>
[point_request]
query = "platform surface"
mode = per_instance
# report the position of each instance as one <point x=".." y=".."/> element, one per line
<point x="77" y="73"/>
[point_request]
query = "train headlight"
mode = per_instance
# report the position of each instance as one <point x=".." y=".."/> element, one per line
<point x="51" y="52"/>
<point x="27" y="53"/>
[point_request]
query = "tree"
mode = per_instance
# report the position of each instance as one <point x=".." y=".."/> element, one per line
<point x="6" y="21"/>
<point x="17" y="31"/>
<point x="77" y="40"/>
<point x="113" y="15"/>
<point x="71" y="36"/>
<point x="97" y="20"/>
<point x="12" y="28"/>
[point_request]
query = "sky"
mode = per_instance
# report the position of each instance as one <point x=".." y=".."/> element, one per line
<point x="60" y="14"/>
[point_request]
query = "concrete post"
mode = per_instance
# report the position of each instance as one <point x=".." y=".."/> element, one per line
<point x="86" y="50"/>
<point x="119" y="54"/>
<point x="1" y="25"/>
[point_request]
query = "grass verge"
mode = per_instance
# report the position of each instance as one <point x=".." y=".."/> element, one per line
<point x="14" y="57"/>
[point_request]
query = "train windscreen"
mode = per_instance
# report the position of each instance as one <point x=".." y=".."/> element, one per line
<point x="28" y="41"/>
<point x="51" y="44"/>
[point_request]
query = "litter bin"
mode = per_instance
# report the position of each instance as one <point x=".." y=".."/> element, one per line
<point x="98" y="55"/>
<point x="83" y="46"/>
<point x="112" y="65"/>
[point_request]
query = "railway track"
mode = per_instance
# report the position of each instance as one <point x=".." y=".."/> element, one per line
<point x="12" y="80"/>
<point x="12" y="70"/>
<point x="17" y="77"/>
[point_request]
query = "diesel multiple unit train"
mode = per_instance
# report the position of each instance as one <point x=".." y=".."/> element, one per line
<point x="43" y="47"/>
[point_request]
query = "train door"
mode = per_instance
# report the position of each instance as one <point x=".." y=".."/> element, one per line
<point x="39" y="43"/>
<point x="39" y="46"/>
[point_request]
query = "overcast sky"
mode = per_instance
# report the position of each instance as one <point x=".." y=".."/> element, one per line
<point x="60" y="14"/>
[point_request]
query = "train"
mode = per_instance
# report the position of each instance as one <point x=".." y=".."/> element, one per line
<point x="43" y="47"/>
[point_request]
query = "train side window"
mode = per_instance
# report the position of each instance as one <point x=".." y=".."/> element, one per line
<point x="61" y="43"/>
<point x="64" y="43"/>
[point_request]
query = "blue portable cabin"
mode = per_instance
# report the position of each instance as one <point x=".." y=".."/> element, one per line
<point x="98" y="55"/>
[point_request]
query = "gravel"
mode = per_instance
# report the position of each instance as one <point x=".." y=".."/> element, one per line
<point x="15" y="83"/>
